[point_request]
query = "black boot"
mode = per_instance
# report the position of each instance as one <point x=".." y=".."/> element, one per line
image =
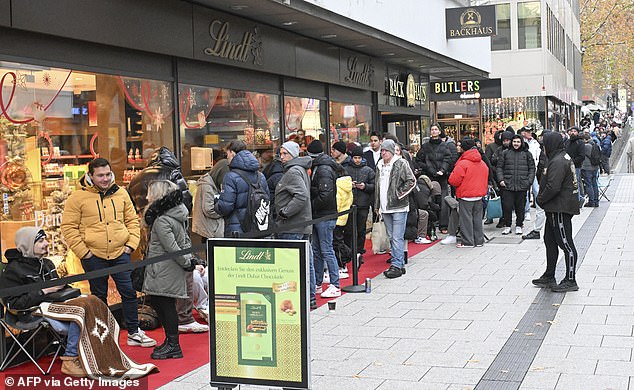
<point x="172" y="349"/>
<point x="159" y="347"/>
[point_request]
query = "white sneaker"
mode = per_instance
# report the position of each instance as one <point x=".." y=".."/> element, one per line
<point x="140" y="339"/>
<point x="326" y="277"/>
<point x="507" y="230"/>
<point x="448" y="240"/>
<point x="422" y="240"/>
<point x="319" y="289"/>
<point x="331" y="292"/>
<point x="343" y="273"/>
<point x="193" y="327"/>
<point x="527" y="217"/>
<point x="518" y="230"/>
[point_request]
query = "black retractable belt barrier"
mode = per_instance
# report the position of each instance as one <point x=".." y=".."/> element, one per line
<point x="18" y="290"/>
<point x="355" y="287"/>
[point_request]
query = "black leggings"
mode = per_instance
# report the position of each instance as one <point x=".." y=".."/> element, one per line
<point x="166" y="309"/>
<point x="558" y="234"/>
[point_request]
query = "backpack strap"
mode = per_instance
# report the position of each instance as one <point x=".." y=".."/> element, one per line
<point x="246" y="179"/>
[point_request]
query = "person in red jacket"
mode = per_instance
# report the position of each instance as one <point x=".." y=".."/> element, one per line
<point x="470" y="177"/>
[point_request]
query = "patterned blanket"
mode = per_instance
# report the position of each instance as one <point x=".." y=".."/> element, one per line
<point x="99" y="349"/>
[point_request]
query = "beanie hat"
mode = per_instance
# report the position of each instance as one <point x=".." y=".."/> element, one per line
<point x="357" y="151"/>
<point x="350" y="147"/>
<point x="339" y="146"/>
<point x="25" y="239"/>
<point x="389" y="145"/>
<point x="291" y="147"/>
<point x="314" y="148"/>
<point x="467" y="143"/>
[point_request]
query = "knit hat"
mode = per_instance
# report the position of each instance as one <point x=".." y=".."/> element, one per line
<point x="467" y="143"/>
<point x="389" y="145"/>
<point x="507" y="135"/>
<point x="25" y="239"/>
<point x="339" y="146"/>
<point x="291" y="147"/>
<point x="314" y="148"/>
<point x="357" y="151"/>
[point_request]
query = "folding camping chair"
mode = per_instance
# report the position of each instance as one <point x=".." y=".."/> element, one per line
<point x="24" y="335"/>
<point x="604" y="184"/>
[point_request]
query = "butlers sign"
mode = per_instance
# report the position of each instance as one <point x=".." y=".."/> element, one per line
<point x="470" y="22"/>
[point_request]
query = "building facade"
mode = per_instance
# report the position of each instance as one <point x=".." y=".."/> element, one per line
<point x="120" y="79"/>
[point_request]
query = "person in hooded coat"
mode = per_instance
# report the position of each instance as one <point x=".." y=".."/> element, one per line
<point x="470" y="177"/>
<point x="167" y="218"/>
<point x="515" y="174"/>
<point x="558" y="197"/>
<point x="233" y="201"/>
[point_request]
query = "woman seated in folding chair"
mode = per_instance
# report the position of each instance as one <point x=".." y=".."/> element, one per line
<point x="28" y="265"/>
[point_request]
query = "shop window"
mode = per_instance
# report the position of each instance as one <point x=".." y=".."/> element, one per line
<point x="211" y="117"/>
<point x="350" y="122"/>
<point x="54" y="121"/>
<point x="304" y="120"/>
<point x="529" y="28"/>
<point x="502" y="41"/>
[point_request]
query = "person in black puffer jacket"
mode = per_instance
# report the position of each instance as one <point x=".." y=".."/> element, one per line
<point x="557" y="196"/>
<point x="433" y="159"/>
<point x="233" y="201"/>
<point x="363" y="195"/>
<point x="163" y="165"/>
<point x="323" y="195"/>
<point x="515" y="174"/>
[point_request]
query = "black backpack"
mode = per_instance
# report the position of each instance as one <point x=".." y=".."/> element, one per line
<point x="595" y="155"/>
<point x="258" y="206"/>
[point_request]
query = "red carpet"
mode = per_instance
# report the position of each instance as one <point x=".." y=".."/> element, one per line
<point x="373" y="265"/>
<point x="196" y="346"/>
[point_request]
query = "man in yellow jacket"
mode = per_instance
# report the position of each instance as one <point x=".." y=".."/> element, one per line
<point x="101" y="227"/>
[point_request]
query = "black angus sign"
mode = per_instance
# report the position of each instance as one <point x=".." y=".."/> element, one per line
<point x="465" y="89"/>
<point x="470" y="22"/>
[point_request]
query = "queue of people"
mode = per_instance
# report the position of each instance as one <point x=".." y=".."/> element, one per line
<point x="443" y="186"/>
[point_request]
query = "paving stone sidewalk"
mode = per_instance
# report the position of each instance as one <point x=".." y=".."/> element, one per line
<point x="445" y="323"/>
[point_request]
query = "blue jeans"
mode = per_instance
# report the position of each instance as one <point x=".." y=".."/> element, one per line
<point x="311" y="263"/>
<point x="592" y="185"/>
<point x="123" y="281"/>
<point x="395" y="225"/>
<point x="324" y="252"/>
<point x="582" y="194"/>
<point x="72" y="332"/>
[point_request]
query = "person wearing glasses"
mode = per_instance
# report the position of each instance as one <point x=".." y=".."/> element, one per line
<point x="101" y="227"/>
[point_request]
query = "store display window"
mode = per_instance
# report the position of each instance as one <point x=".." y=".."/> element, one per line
<point x="211" y="117"/>
<point x="350" y="122"/>
<point x="54" y="121"/>
<point x="304" y="120"/>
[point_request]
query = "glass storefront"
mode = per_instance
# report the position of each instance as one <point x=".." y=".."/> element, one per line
<point x="350" y="122"/>
<point x="459" y="118"/>
<point x="211" y="117"/>
<point x="54" y="121"/>
<point x="517" y="112"/>
<point x="305" y="120"/>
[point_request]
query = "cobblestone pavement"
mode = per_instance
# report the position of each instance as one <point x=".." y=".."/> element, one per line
<point x="470" y="318"/>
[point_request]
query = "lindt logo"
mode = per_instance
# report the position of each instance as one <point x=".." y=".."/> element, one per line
<point x="250" y="46"/>
<point x="255" y="255"/>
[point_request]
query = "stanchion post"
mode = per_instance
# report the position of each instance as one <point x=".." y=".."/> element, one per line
<point x="355" y="287"/>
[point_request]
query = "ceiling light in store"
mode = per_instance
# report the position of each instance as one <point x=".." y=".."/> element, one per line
<point x="238" y="121"/>
<point x="289" y="23"/>
<point x="239" y="7"/>
<point x="361" y="45"/>
<point x="389" y="54"/>
<point x="409" y="61"/>
<point x="329" y="36"/>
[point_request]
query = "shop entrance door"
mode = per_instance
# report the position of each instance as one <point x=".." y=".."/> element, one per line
<point x="407" y="128"/>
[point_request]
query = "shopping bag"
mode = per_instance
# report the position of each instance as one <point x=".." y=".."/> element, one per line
<point x="494" y="205"/>
<point x="380" y="239"/>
